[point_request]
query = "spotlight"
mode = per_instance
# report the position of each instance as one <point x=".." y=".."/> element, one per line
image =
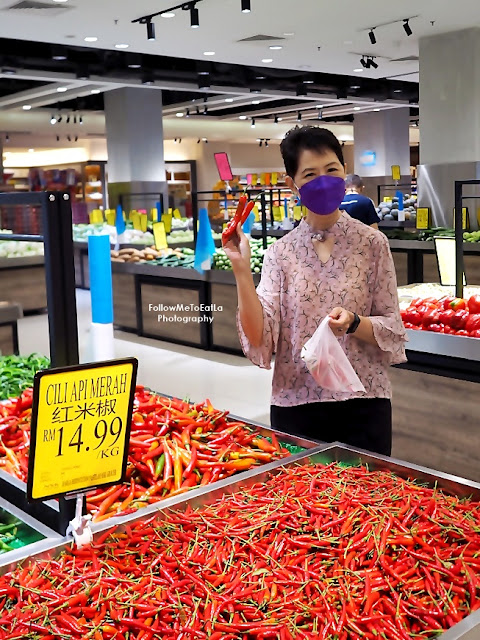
<point x="7" y="138"/>
<point x="150" y="30"/>
<point x="194" y="17"/>
<point x="68" y="119"/>
<point x="198" y="111"/>
<point x="205" y="111"/>
<point x="74" y="119"/>
<point x="176" y="140"/>
<point x="198" y="141"/>
<point x="253" y="123"/>
<point x="205" y="140"/>
<point x="58" y="138"/>
<point x="246" y="8"/>
<point x="276" y="120"/>
<point x="260" y="143"/>
<point x="58" y="54"/>
<point x="364" y="63"/>
<point x="59" y="119"/>
<point x="372" y="63"/>
<point x="406" y="27"/>
<point x="147" y="79"/>
<point x="69" y="138"/>
<point x="372" y="37"/>
<point x="320" y="114"/>
<point x="76" y="138"/>
<point x="80" y="120"/>
<point x="299" y="116"/>
<point x="187" y="114"/>
<point x="266" y="142"/>
<point x="179" y="141"/>
<point x="53" y="120"/>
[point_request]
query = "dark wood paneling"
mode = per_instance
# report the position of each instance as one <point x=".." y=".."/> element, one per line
<point x="224" y="327"/>
<point x="124" y="306"/>
<point x="181" y="325"/>
<point x="26" y="286"/>
<point x="400" y="261"/>
<point x="436" y="422"/>
<point x="6" y="341"/>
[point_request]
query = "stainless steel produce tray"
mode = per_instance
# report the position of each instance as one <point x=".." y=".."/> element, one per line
<point x="468" y="629"/>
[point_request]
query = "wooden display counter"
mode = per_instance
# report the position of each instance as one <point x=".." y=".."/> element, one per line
<point x="22" y="280"/>
<point x="167" y="303"/>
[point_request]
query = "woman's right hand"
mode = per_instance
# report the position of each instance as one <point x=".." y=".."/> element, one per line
<point x="238" y="251"/>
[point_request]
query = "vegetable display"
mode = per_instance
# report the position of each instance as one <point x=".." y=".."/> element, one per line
<point x="221" y="262"/>
<point x="164" y="257"/>
<point x="17" y="372"/>
<point x="448" y="315"/>
<point x="313" y="552"/>
<point x="174" y="446"/>
<point x="19" y="248"/>
<point x="14" y="533"/>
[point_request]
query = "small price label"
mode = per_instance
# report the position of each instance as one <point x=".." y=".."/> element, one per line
<point x="274" y="178"/>
<point x="424" y="218"/>
<point x="465" y="219"/>
<point x="297" y="213"/>
<point x="256" y="213"/>
<point x="160" y="236"/>
<point x="154" y="214"/>
<point x="96" y="217"/>
<point x="80" y="427"/>
<point x="277" y="213"/>
<point x="177" y="214"/>
<point x="167" y="221"/>
<point x="396" y="174"/>
<point x="254" y="179"/>
<point x="136" y="221"/>
<point x="110" y="216"/>
<point x="143" y="222"/>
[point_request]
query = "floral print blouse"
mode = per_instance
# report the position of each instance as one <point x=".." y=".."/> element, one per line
<point x="297" y="290"/>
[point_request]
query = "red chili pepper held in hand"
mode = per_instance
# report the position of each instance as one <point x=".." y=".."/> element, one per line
<point x="232" y="225"/>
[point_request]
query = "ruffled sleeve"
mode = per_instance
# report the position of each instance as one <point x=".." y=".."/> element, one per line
<point x="268" y="292"/>
<point x="387" y="323"/>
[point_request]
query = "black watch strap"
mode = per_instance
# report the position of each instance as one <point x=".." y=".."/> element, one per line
<point x="354" y="326"/>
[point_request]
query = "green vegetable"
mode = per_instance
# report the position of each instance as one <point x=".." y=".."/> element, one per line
<point x="17" y="373"/>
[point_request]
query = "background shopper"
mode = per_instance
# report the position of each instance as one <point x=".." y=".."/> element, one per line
<point x="331" y="264"/>
<point x="356" y="204"/>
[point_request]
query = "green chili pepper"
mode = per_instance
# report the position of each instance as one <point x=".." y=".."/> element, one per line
<point x="17" y="373"/>
<point x="160" y="464"/>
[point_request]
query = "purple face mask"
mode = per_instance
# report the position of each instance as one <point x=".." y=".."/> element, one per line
<point x="323" y="195"/>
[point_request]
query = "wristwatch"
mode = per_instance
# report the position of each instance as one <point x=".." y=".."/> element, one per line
<point x="354" y="326"/>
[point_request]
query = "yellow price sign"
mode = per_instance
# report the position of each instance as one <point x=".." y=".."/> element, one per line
<point x="177" y="214"/>
<point x="143" y="221"/>
<point x="167" y="221"/>
<point x="96" y="217"/>
<point x="465" y="219"/>
<point x="297" y="213"/>
<point x="110" y="216"/>
<point x="277" y="213"/>
<point x="274" y="179"/>
<point x="80" y="427"/>
<point x="154" y="214"/>
<point x="256" y="213"/>
<point x="396" y="174"/>
<point x="136" y="221"/>
<point x="424" y="218"/>
<point x="160" y="236"/>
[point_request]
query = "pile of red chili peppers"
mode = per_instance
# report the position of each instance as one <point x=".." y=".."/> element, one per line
<point x="314" y="552"/>
<point x="174" y="446"/>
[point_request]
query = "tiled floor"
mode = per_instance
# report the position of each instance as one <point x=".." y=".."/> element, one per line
<point x="231" y="382"/>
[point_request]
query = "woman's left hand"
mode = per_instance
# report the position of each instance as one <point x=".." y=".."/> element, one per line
<point x="340" y="321"/>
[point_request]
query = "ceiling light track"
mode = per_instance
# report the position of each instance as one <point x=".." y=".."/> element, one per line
<point x="404" y="21"/>
<point x="190" y="6"/>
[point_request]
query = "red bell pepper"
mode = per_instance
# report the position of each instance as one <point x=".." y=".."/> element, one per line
<point x="436" y="328"/>
<point x="459" y="320"/>
<point x="431" y="317"/>
<point x="475" y="333"/>
<point x="446" y="317"/>
<point x="473" y="322"/>
<point x="446" y="302"/>
<point x="461" y="332"/>
<point x="474" y="304"/>
<point x="412" y="316"/>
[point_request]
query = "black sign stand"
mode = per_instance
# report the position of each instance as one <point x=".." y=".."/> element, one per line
<point x="56" y="211"/>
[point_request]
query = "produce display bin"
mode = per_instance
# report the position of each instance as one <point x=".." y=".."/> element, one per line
<point x="467" y="629"/>
<point x="47" y="512"/>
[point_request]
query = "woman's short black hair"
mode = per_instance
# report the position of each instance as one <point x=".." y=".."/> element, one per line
<point x="312" y="138"/>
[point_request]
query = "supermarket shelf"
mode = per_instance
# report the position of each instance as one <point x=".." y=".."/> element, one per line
<point x="444" y="345"/>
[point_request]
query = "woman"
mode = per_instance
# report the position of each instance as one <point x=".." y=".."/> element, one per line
<point x="329" y="265"/>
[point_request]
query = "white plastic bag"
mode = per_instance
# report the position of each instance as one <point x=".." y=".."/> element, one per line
<point x="327" y="362"/>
